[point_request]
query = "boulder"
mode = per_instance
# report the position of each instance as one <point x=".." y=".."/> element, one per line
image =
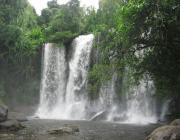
<point x="3" y="112"/>
<point x="176" y="122"/>
<point x="61" y="131"/>
<point x="167" y="132"/>
<point x="11" y="125"/>
<point x="66" y="130"/>
<point x="73" y="127"/>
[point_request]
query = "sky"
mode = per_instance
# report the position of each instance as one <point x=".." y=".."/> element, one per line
<point x="41" y="4"/>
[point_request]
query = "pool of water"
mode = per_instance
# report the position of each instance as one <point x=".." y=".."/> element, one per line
<point x="89" y="130"/>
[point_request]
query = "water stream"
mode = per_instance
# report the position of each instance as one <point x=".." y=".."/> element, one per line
<point x="64" y="94"/>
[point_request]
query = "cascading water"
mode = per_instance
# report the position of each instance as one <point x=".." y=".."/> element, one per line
<point x="108" y="98"/>
<point x="53" y="79"/>
<point x="76" y="97"/>
<point x="140" y="104"/>
<point x="62" y="98"/>
<point x="64" y="94"/>
<point x="106" y="101"/>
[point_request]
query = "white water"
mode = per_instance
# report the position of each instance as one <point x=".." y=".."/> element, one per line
<point x="141" y="107"/>
<point x="165" y="109"/>
<point x="62" y="98"/>
<point x="76" y="97"/>
<point x="53" y="79"/>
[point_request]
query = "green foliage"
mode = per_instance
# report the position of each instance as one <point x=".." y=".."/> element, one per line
<point x="61" y="22"/>
<point x="103" y="24"/>
<point x="142" y="35"/>
<point x="35" y="36"/>
<point x="155" y="31"/>
<point x="65" y="37"/>
<point x="19" y="32"/>
<point x="98" y="75"/>
<point x="20" y="38"/>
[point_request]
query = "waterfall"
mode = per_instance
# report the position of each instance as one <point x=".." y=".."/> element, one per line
<point x="62" y="97"/>
<point x="108" y="97"/>
<point x="53" y="78"/>
<point x="76" y="97"/>
<point x="139" y="106"/>
<point x="140" y="103"/>
<point x="63" y="93"/>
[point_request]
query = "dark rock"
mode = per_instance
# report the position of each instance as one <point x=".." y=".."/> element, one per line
<point x="66" y="130"/>
<point x="61" y="131"/>
<point x="11" y="125"/>
<point x="3" y="112"/>
<point x="74" y="127"/>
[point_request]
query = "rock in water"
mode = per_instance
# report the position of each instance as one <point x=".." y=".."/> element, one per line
<point x="66" y="130"/>
<point x="168" y="132"/>
<point x="176" y="122"/>
<point x="73" y="127"/>
<point x="61" y="131"/>
<point x="11" y="125"/>
<point x="3" y="112"/>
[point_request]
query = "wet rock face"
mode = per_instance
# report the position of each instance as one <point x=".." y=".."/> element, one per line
<point x="7" y="124"/>
<point x="168" y="132"/>
<point x="3" y="112"/>
<point x="11" y="125"/>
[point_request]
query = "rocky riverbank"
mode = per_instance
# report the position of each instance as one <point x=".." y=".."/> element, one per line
<point x="167" y="132"/>
<point x="6" y="124"/>
<point x="17" y="126"/>
<point x="77" y="130"/>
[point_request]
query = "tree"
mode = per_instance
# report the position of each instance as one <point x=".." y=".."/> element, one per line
<point x="61" y="22"/>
